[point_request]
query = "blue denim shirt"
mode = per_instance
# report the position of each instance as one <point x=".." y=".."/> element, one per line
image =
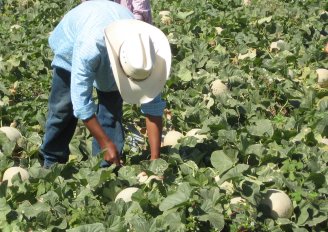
<point x="79" y="47"/>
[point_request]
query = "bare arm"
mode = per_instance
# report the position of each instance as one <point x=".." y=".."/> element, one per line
<point x="154" y="131"/>
<point x="111" y="153"/>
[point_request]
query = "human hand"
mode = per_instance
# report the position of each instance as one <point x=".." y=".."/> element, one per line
<point x="111" y="154"/>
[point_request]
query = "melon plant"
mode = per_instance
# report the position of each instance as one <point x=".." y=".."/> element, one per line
<point x="12" y="171"/>
<point x="172" y="137"/>
<point x="278" y="204"/>
<point x="12" y="133"/>
<point x="126" y="194"/>
<point x="226" y="185"/>
<point x="218" y="87"/>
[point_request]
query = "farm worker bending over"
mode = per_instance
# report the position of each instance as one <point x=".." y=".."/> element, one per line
<point x="99" y="44"/>
<point x="140" y="8"/>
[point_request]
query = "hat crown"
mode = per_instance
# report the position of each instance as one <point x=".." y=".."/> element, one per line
<point x="137" y="56"/>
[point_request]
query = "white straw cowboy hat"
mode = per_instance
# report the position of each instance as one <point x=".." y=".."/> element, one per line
<point x="140" y="57"/>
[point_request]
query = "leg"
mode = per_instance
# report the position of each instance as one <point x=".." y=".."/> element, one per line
<point x="110" y="118"/>
<point x="61" y="123"/>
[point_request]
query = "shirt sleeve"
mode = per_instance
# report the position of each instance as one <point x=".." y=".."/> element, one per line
<point x="142" y="10"/>
<point x="85" y="61"/>
<point x="155" y="107"/>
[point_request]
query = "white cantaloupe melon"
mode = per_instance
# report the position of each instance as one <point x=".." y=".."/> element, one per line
<point x="172" y="137"/>
<point x="12" y="171"/>
<point x="142" y="177"/>
<point x="165" y="17"/>
<point x="279" y="204"/>
<point x="322" y="77"/>
<point x="218" y="87"/>
<point x="12" y="133"/>
<point x="237" y="201"/>
<point x="126" y="194"/>
<point x="194" y="133"/>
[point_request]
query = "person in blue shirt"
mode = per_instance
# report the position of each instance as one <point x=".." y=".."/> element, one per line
<point x="99" y="45"/>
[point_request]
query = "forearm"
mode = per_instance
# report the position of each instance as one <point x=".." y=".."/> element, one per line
<point x="96" y="131"/>
<point x="105" y="143"/>
<point x="154" y="132"/>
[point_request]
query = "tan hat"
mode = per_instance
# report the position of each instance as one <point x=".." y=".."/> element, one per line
<point x="140" y="57"/>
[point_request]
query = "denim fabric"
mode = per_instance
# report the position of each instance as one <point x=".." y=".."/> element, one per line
<point x="61" y="123"/>
<point x="109" y="115"/>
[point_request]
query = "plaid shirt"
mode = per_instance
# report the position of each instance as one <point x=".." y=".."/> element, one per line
<point x="79" y="47"/>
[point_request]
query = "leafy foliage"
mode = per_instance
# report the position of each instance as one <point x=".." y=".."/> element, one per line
<point x="266" y="132"/>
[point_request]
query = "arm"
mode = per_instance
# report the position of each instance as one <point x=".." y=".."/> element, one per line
<point x="85" y="61"/>
<point x="154" y="131"/>
<point x="154" y="111"/>
<point x="111" y="154"/>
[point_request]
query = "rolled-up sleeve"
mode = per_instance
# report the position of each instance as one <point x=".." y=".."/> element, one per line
<point x="86" y="59"/>
<point x="155" y="107"/>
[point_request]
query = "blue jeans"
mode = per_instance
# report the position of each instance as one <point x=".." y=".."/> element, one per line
<point x="61" y="123"/>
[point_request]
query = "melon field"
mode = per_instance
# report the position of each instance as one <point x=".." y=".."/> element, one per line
<point x="245" y="137"/>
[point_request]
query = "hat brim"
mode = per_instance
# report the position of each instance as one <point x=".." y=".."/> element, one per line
<point x="132" y="91"/>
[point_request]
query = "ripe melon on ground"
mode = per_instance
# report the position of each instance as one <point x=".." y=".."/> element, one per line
<point x="165" y="17"/>
<point x="126" y="194"/>
<point x="194" y="133"/>
<point x="237" y="201"/>
<point x="278" y="203"/>
<point x="12" y="171"/>
<point x="172" y="137"/>
<point x="218" y="87"/>
<point x="322" y="77"/>
<point x="12" y="133"/>
<point x="142" y="177"/>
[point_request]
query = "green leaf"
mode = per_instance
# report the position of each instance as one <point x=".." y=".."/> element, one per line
<point x="31" y="211"/>
<point x="179" y="197"/>
<point x="216" y="220"/>
<point x="4" y="209"/>
<point x="221" y="162"/>
<point x="317" y="220"/>
<point x="184" y="74"/>
<point x="262" y="127"/>
<point x="256" y="149"/>
<point x="95" y="227"/>
<point x="234" y="172"/>
<point x="304" y="216"/>
<point x="323" y="104"/>
<point x="128" y="173"/>
<point x="184" y="15"/>
<point x="318" y="180"/>
<point x="158" y="166"/>
<point x="302" y="135"/>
